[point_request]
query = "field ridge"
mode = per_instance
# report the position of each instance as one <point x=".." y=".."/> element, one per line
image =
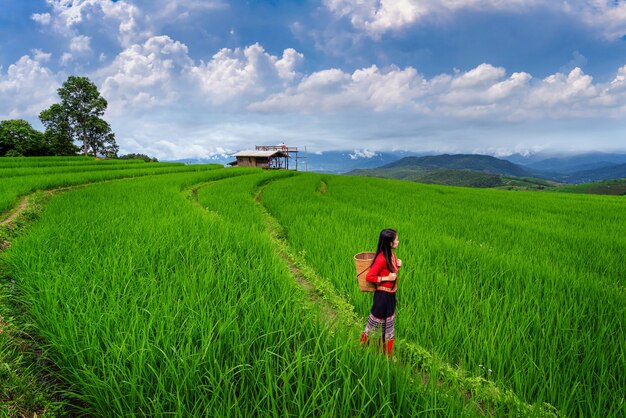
<point x="29" y="388"/>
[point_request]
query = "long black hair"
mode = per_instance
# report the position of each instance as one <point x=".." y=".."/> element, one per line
<point x="386" y="238"/>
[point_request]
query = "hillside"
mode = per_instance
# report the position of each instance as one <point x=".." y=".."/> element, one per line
<point x="458" y="170"/>
<point x="616" y="187"/>
<point x="479" y="163"/>
<point x="610" y="172"/>
<point x="569" y="164"/>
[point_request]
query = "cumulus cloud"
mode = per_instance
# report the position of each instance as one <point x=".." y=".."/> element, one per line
<point x="42" y="18"/>
<point x="66" y="58"/>
<point x="80" y="44"/>
<point x="182" y="9"/>
<point x="145" y="75"/>
<point x="248" y="72"/>
<point x="482" y="92"/>
<point x="28" y="86"/>
<point x="74" y="17"/>
<point x="376" y="17"/>
<point x="379" y="16"/>
<point x="364" y="153"/>
<point x="129" y="22"/>
<point x="607" y="16"/>
<point x="564" y="93"/>
<point x="334" y="89"/>
<point x="40" y="56"/>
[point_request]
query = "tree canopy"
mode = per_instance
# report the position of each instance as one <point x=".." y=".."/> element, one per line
<point x="58" y="130"/>
<point x="19" y="138"/>
<point x="78" y="118"/>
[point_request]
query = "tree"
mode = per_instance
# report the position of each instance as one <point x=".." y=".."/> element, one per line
<point x="134" y="156"/>
<point x="18" y="137"/>
<point x="100" y="138"/>
<point x="58" y="132"/>
<point x="81" y="101"/>
<point x="78" y="118"/>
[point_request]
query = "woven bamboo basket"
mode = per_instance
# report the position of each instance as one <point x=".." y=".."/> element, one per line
<point x="363" y="262"/>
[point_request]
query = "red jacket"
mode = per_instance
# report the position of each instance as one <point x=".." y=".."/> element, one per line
<point x="379" y="269"/>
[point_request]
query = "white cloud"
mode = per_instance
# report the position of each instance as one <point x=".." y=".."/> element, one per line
<point x="129" y="22"/>
<point x="167" y="10"/>
<point x="364" y="153"/>
<point x="42" y="18"/>
<point x="483" y="75"/>
<point x="484" y="92"/>
<point x="28" y="86"/>
<point x="80" y="44"/>
<point x="146" y="75"/>
<point x="334" y="89"/>
<point x="40" y="56"/>
<point x="379" y="16"/>
<point x="376" y="17"/>
<point x="563" y="93"/>
<point x="71" y="17"/>
<point x="159" y="72"/>
<point x="607" y="16"/>
<point x="66" y="58"/>
<point x="250" y="72"/>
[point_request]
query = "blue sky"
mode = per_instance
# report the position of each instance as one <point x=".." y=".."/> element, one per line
<point x="197" y="78"/>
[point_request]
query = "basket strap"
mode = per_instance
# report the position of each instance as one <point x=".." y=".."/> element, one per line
<point x="363" y="271"/>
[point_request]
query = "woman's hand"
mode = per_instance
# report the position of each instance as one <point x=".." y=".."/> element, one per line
<point x="392" y="277"/>
<point x="398" y="262"/>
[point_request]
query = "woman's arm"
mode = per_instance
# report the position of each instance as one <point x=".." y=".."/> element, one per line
<point x="379" y="266"/>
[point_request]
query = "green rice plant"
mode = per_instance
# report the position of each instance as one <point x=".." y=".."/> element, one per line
<point x="14" y="187"/>
<point x="151" y="305"/>
<point x="75" y="168"/>
<point x="23" y="162"/>
<point x="524" y="289"/>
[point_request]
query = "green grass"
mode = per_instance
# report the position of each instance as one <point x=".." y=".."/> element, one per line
<point x="78" y="168"/>
<point x="530" y="286"/>
<point x="455" y="177"/>
<point x="151" y="305"/>
<point x="23" y="162"/>
<point x="165" y="295"/>
<point x="15" y="186"/>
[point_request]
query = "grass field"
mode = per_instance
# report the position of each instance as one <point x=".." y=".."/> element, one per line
<point x="164" y="294"/>
<point x="528" y="285"/>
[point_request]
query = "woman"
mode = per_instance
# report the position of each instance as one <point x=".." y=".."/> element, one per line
<point x="383" y="273"/>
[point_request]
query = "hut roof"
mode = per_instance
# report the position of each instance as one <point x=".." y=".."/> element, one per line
<point x="253" y="153"/>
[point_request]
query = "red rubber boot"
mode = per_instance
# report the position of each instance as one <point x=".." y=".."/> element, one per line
<point x="389" y="347"/>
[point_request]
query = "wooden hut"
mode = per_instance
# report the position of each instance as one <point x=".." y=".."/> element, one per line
<point x="273" y="159"/>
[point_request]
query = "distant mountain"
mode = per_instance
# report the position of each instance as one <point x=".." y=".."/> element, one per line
<point x="567" y="163"/>
<point x="217" y="159"/>
<point x="458" y="170"/>
<point x="338" y="162"/>
<point x="604" y="173"/>
<point x="447" y="177"/>
<point x="472" y="162"/>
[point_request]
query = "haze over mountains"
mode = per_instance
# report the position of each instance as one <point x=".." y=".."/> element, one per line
<point x="568" y="169"/>
<point x="455" y="169"/>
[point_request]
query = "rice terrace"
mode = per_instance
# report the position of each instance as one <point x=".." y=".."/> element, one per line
<point x="161" y="289"/>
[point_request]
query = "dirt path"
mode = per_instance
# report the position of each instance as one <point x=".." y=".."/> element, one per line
<point x="329" y="314"/>
<point x="12" y="215"/>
